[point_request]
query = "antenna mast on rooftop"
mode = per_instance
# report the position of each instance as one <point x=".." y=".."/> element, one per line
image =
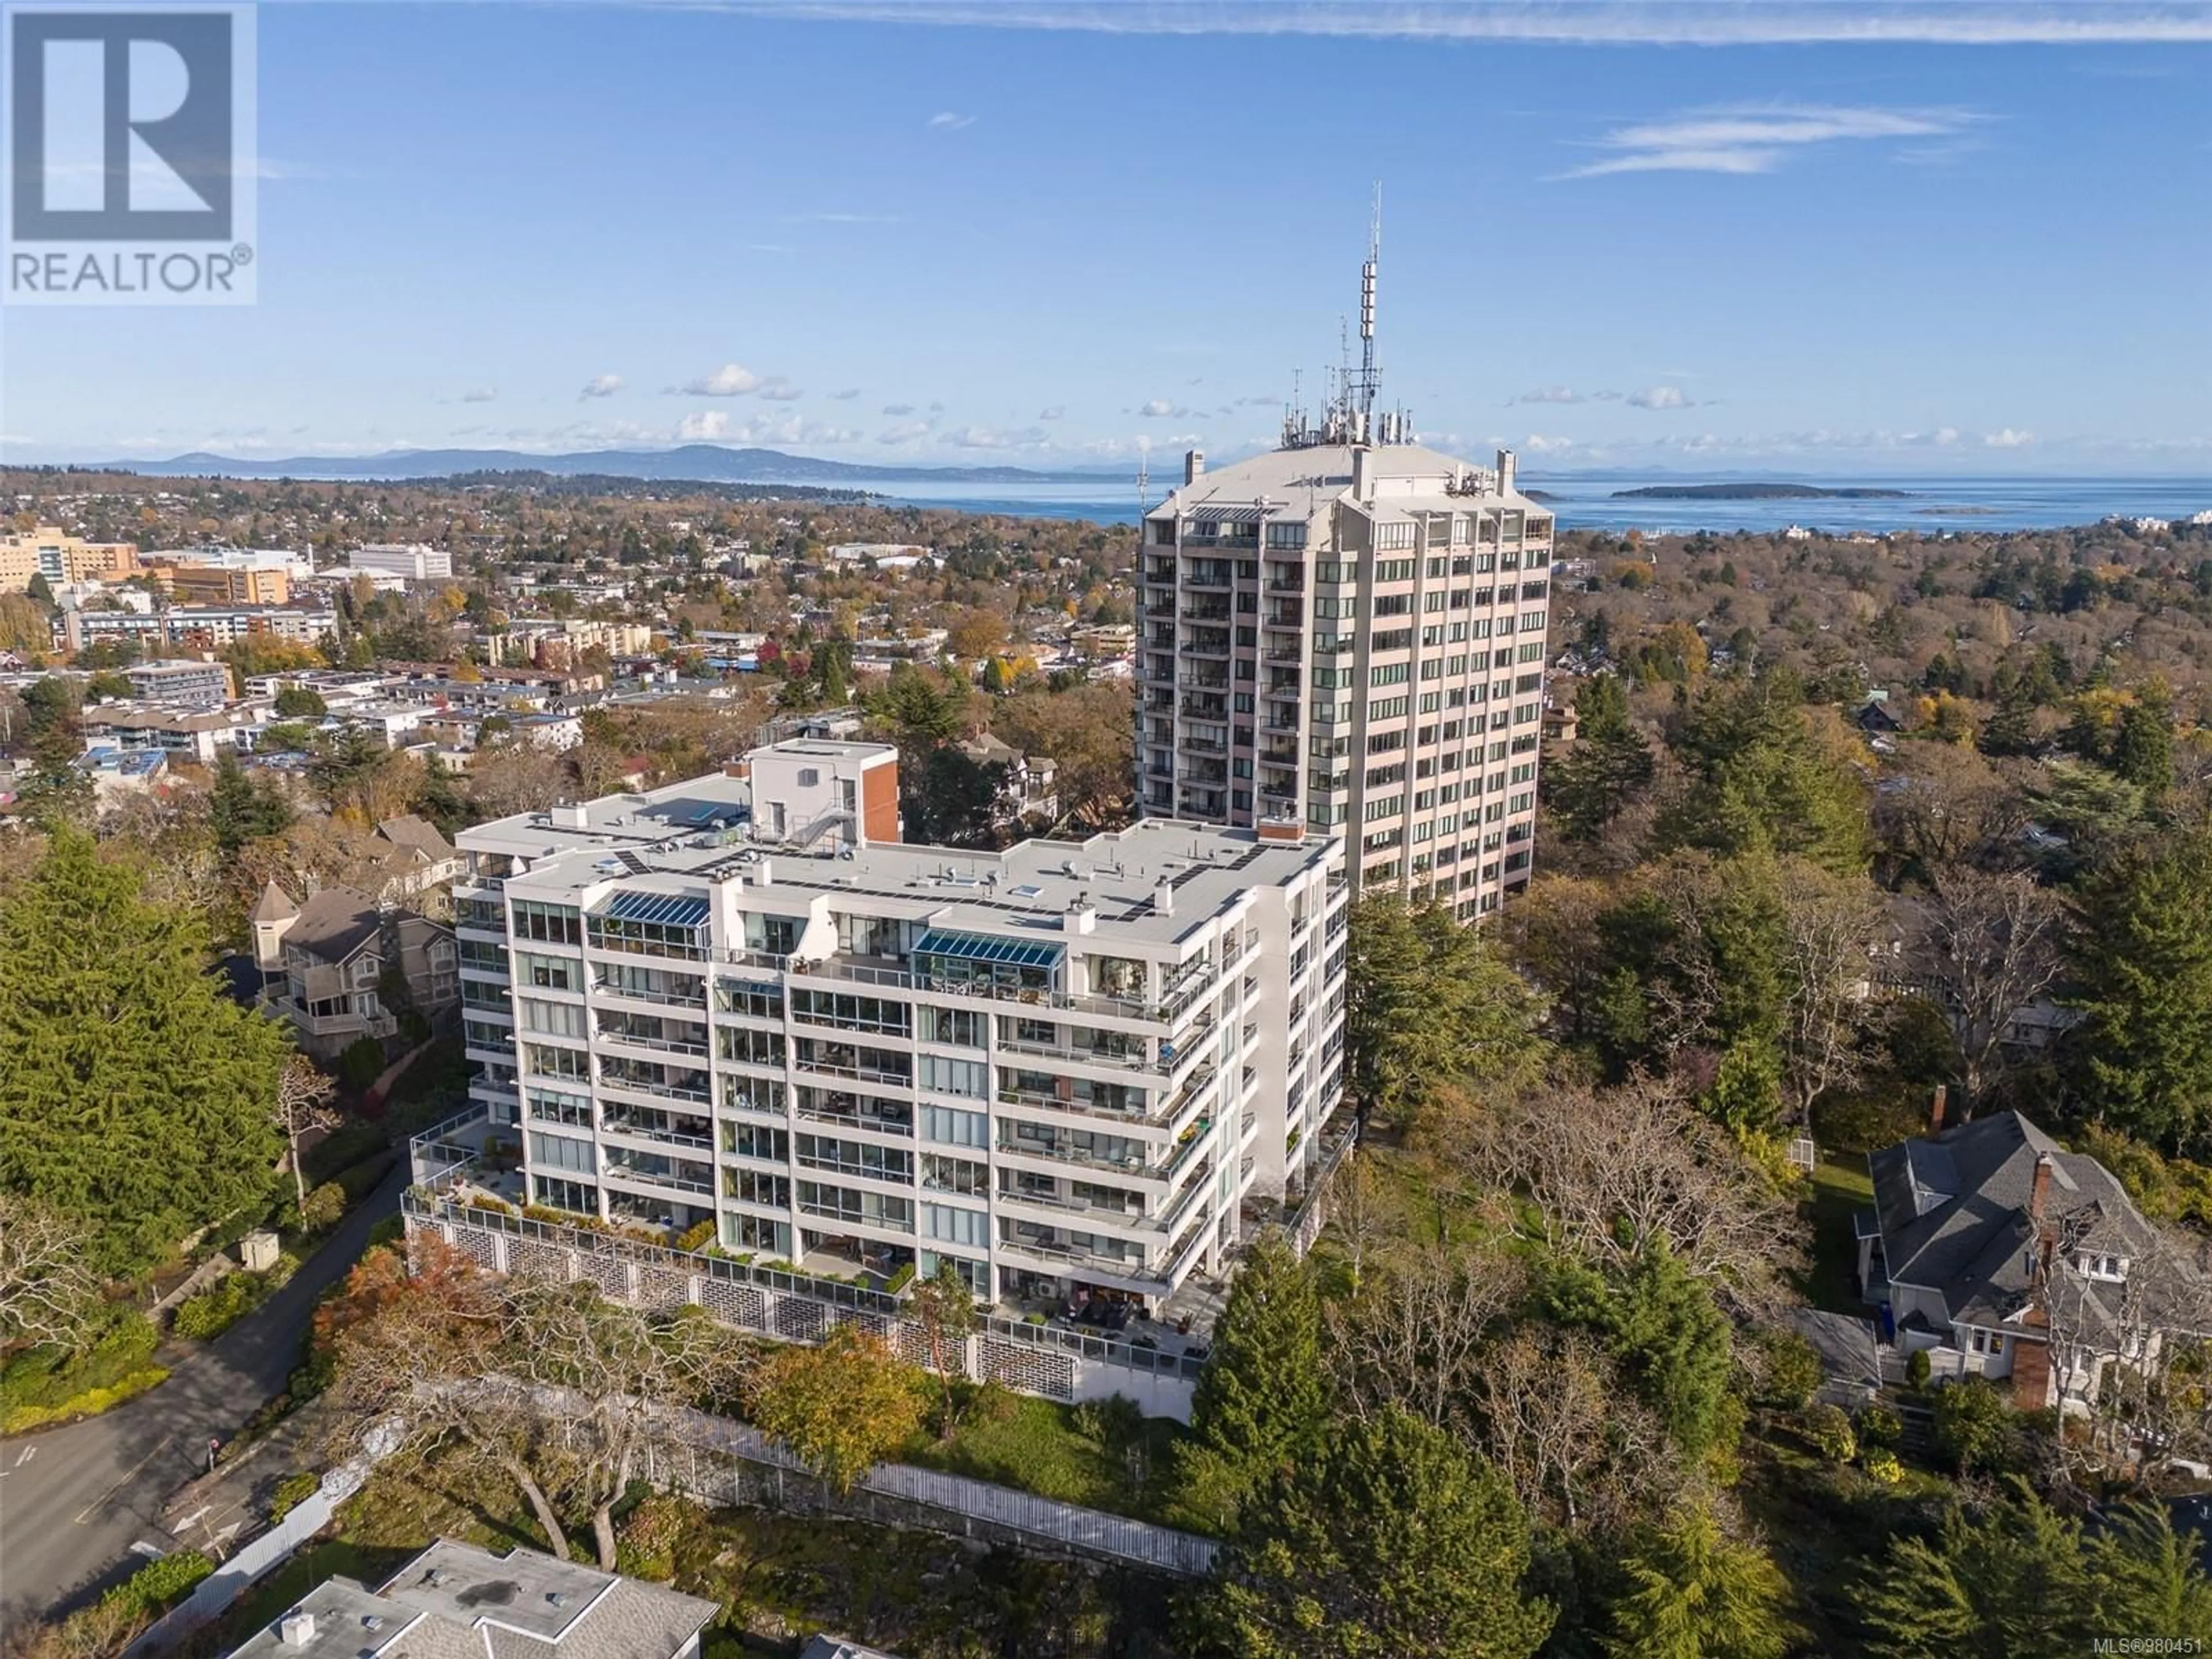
<point x="1359" y="400"/>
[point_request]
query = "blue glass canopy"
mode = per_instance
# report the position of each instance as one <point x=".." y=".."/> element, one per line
<point x="983" y="947"/>
<point x="668" y="909"/>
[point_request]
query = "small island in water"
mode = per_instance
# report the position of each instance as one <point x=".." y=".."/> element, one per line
<point x="1756" y="492"/>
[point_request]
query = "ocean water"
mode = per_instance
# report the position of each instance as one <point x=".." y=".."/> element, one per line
<point x="1929" y="505"/>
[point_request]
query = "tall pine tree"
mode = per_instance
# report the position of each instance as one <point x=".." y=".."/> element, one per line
<point x="134" y="1095"/>
<point x="1263" y="1401"/>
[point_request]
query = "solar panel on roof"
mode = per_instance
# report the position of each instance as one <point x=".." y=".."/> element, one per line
<point x="983" y="947"/>
<point x="669" y="910"/>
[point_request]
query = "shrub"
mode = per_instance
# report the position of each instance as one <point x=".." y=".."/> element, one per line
<point x="223" y="1303"/>
<point x="1878" y="1426"/>
<point x="21" y="1420"/>
<point x="698" y="1238"/>
<point x="1830" y="1432"/>
<point x="645" y="1545"/>
<point x="361" y="1065"/>
<point x="899" y="1280"/>
<point x="486" y="1202"/>
<point x="325" y="1208"/>
<point x="1917" y="1369"/>
<point x="1881" y="1466"/>
<point x="387" y="1229"/>
<point x="1789" y="1371"/>
<point x="292" y="1491"/>
<point x="158" y="1585"/>
<point x="1974" y="1426"/>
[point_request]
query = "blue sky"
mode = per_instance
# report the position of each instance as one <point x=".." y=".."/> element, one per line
<point x="1051" y="233"/>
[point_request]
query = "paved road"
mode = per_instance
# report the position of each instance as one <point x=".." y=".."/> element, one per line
<point x="74" y="1500"/>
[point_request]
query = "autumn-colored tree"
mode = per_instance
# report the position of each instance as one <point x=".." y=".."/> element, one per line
<point x="841" y="1406"/>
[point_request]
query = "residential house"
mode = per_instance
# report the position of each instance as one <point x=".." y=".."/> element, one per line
<point x="1029" y="790"/>
<point x="457" y="1601"/>
<point x="2004" y="1255"/>
<point x="325" y="961"/>
<point x="420" y="859"/>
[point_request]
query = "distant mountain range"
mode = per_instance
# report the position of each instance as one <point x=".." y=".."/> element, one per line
<point x="690" y="463"/>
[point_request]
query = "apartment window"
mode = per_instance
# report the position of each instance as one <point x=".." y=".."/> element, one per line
<point x="750" y="1048"/>
<point x="561" y="1019"/>
<point x="552" y="1106"/>
<point x="1334" y="570"/>
<point x="955" y="1175"/>
<point x="558" y="1152"/>
<point x="1388" y="806"/>
<point x="757" y="1187"/>
<point x="757" y="1140"/>
<point x="1395" y="605"/>
<point x="959" y="1027"/>
<point x="948" y="1127"/>
<point x="1286" y="535"/>
<point x="1391" y="673"/>
<point x="1388" y="708"/>
<point x="546" y="1061"/>
<point x="940" y="1075"/>
<point x="576" y="1197"/>
<point x="948" y="1223"/>
<point x="865" y="1209"/>
<point x="551" y="924"/>
<point x="854" y="1158"/>
<point x="1395" y="538"/>
<point x="755" y="1001"/>
<point x="852" y="1012"/>
<point x="549" y="973"/>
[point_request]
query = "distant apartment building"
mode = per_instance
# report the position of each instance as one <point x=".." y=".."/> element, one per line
<point x="194" y="684"/>
<point x="49" y="552"/>
<point x="414" y="563"/>
<point x="1350" y="637"/>
<point x="197" y="735"/>
<point x="1063" y="1069"/>
<point x="201" y="626"/>
<point x="215" y="583"/>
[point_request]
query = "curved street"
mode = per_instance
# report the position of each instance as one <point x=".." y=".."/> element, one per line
<point x="74" y="1500"/>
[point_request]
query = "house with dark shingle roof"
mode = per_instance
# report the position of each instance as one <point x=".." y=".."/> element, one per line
<point x="325" y="961"/>
<point x="2006" y="1256"/>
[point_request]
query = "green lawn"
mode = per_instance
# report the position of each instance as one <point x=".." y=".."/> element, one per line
<point x="1841" y="1188"/>
<point x="1040" y="1446"/>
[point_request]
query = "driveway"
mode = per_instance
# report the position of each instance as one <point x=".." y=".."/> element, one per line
<point x="74" y="1500"/>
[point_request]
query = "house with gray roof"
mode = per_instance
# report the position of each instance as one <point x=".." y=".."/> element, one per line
<point x="456" y="1601"/>
<point x="2006" y="1256"/>
<point x="326" y="961"/>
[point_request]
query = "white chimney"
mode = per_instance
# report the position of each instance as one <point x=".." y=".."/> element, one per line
<point x="296" y="1629"/>
<point x="761" y="873"/>
<point x="1193" y="462"/>
<point x="570" y="815"/>
<point x="1163" y="897"/>
<point x="1362" y="481"/>
<point x="1505" y="465"/>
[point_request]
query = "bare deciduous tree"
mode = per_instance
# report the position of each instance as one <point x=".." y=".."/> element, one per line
<point x="1990" y="946"/>
<point x="1607" y="1170"/>
<point x="1831" y="926"/>
<point x="1413" y="1336"/>
<point x="303" y="1102"/>
<point x="46" y="1293"/>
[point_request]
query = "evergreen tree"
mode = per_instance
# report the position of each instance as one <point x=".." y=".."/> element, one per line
<point x="1674" y="1344"/>
<point x="2142" y="751"/>
<point x="133" y="1094"/>
<point x="2143" y="969"/>
<point x="1261" y="1404"/>
<point x="2010" y="730"/>
<point x="1394" y="1541"/>
<point x="1430" y="1005"/>
<point x="242" y="808"/>
<point x="1608" y="764"/>
<point x="1764" y="781"/>
<point x="1698" y="1594"/>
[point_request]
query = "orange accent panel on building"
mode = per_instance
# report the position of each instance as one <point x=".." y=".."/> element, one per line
<point x="879" y="807"/>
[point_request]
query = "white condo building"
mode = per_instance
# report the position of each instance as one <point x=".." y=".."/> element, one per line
<point x="1351" y="637"/>
<point x="1064" y="1068"/>
<point x="414" y="562"/>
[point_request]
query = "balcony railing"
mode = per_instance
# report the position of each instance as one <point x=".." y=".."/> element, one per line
<point x="619" y="1126"/>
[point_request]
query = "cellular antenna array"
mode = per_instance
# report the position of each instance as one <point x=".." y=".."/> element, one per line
<point x="1349" y="415"/>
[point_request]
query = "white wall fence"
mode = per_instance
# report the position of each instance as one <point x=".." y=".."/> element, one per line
<point x="259" y="1555"/>
<point x="1048" y="1360"/>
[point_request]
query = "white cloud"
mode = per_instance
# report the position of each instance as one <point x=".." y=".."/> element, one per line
<point x="2008" y="439"/>
<point x="1660" y="22"/>
<point x="1659" y="397"/>
<point x="1748" y="138"/>
<point x="730" y="381"/>
<point x="1537" y="443"/>
<point x="1052" y="414"/>
<point x="983" y="437"/>
<point x="777" y="390"/>
<point x="1160" y="409"/>
<point x="846" y="395"/>
<point x="714" y="425"/>
<point x="771" y="247"/>
<point x="898" y="408"/>
<point x="1550" y="394"/>
<point x="601" y="385"/>
<point x="481" y="394"/>
<point x="946" y="121"/>
<point x="706" y="424"/>
<point x="907" y="432"/>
